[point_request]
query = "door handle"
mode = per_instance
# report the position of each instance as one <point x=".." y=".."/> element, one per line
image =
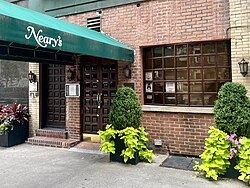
<point x="99" y="99"/>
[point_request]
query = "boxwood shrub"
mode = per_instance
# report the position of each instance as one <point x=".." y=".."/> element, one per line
<point x="232" y="109"/>
<point x="125" y="109"/>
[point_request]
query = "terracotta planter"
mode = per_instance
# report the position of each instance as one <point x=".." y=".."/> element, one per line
<point x="18" y="135"/>
<point x="119" y="146"/>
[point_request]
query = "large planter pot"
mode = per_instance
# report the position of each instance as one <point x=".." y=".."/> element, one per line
<point x="231" y="172"/>
<point x="119" y="146"/>
<point x="18" y="135"/>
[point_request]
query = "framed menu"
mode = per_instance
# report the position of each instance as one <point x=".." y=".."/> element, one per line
<point x="149" y="87"/>
<point x="170" y="87"/>
<point x="148" y="76"/>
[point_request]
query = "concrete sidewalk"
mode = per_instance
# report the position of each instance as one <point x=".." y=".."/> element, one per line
<point x="28" y="166"/>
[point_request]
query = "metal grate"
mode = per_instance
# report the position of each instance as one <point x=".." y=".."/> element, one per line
<point x="94" y="23"/>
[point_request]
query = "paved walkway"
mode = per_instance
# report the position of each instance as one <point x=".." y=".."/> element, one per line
<point x="28" y="166"/>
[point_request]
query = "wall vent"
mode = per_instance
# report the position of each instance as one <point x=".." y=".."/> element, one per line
<point x="94" y="23"/>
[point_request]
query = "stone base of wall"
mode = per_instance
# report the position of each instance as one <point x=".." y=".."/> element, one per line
<point x="181" y="133"/>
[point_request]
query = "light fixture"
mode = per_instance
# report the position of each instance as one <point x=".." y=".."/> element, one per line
<point x="72" y="75"/>
<point x="127" y="72"/>
<point x="32" y="77"/>
<point x="243" y="67"/>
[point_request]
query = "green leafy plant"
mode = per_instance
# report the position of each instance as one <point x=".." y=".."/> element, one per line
<point x="232" y="109"/>
<point x="215" y="158"/>
<point x="244" y="160"/>
<point x="125" y="109"/>
<point x="124" y="130"/>
<point x="108" y="137"/>
<point x="134" y="139"/>
<point x="10" y="114"/>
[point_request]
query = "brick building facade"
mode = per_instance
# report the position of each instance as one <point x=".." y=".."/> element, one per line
<point x="187" y="48"/>
<point x="155" y="23"/>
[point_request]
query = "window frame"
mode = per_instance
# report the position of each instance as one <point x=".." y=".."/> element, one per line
<point x="158" y="54"/>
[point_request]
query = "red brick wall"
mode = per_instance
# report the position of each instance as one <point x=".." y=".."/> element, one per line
<point x="73" y="118"/>
<point x="157" y="22"/>
<point x="181" y="133"/>
<point x="73" y="106"/>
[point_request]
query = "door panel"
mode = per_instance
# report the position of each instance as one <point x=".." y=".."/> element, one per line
<point x="54" y="96"/>
<point x="98" y="90"/>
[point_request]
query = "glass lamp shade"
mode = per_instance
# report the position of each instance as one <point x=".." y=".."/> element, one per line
<point x="127" y="72"/>
<point x="243" y="67"/>
<point x="32" y="77"/>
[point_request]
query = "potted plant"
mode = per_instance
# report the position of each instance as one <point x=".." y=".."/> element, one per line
<point x="226" y="153"/>
<point x="220" y="155"/>
<point x="124" y="138"/>
<point x="14" y="127"/>
<point x="232" y="115"/>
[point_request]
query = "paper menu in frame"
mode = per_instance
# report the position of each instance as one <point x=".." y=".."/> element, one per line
<point x="149" y="87"/>
<point x="148" y="76"/>
<point x="170" y="87"/>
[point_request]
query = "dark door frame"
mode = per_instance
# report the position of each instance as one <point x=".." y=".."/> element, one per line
<point x="44" y="98"/>
<point x="101" y="62"/>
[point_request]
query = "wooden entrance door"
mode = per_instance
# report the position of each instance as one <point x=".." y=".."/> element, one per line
<point x="99" y="87"/>
<point x="54" y="107"/>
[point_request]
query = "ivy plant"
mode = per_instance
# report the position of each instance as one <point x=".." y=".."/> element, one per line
<point x="134" y="140"/>
<point x="244" y="160"/>
<point x="215" y="158"/>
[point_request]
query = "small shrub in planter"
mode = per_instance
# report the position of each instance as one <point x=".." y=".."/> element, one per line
<point x="232" y="110"/>
<point x="124" y="138"/>
<point x="225" y="152"/>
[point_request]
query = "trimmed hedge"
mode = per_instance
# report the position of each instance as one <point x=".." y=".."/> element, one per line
<point x="232" y="109"/>
<point x="125" y="109"/>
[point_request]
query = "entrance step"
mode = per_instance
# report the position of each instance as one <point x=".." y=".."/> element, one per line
<point x="51" y="133"/>
<point x="52" y="142"/>
<point x="91" y="138"/>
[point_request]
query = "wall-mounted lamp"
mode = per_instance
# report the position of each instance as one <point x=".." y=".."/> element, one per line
<point x="243" y="67"/>
<point x="72" y="75"/>
<point x="32" y="77"/>
<point x="127" y="72"/>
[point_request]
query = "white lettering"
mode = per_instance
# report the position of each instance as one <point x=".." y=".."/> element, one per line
<point x="42" y="40"/>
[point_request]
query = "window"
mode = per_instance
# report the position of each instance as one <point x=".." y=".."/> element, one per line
<point x="14" y="83"/>
<point x="186" y="74"/>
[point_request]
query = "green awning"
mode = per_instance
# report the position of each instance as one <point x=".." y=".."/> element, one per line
<point x="30" y="28"/>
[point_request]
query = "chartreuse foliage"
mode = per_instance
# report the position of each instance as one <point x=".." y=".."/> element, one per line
<point x="232" y="109"/>
<point x="134" y="139"/>
<point x="108" y="137"/>
<point x="125" y="109"/>
<point x="244" y="160"/>
<point x="215" y="158"/>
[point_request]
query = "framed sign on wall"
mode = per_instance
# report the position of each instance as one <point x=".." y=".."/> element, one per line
<point x="72" y="90"/>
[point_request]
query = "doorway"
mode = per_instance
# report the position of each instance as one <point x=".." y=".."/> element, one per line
<point x="53" y="98"/>
<point x="99" y="87"/>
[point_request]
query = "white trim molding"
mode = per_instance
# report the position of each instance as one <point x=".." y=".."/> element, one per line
<point x="178" y="109"/>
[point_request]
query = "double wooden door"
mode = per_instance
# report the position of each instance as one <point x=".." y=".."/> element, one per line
<point x="99" y="87"/>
